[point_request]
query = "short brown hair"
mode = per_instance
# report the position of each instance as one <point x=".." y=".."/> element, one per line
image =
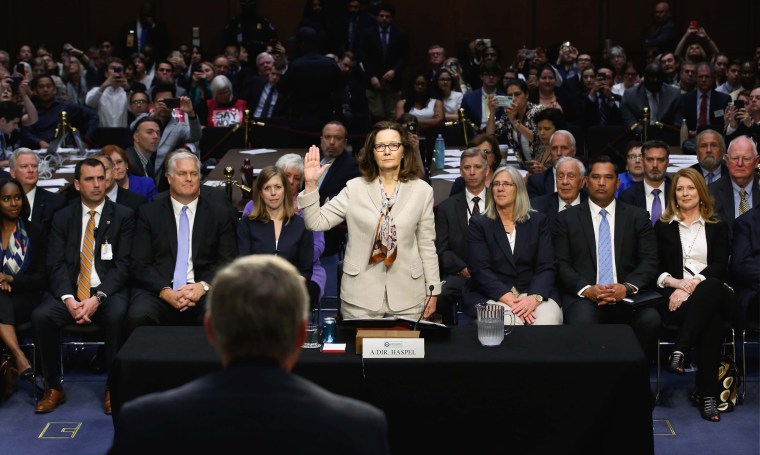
<point x="367" y="164"/>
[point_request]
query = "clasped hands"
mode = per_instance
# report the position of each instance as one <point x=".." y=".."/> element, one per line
<point x="605" y="294"/>
<point x="683" y="290"/>
<point x="521" y="307"/>
<point x="183" y="298"/>
<point x="82" y="311"/>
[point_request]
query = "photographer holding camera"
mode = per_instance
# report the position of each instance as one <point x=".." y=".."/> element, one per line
<point x="110" y="100"/>
<point x="18" y="109"/>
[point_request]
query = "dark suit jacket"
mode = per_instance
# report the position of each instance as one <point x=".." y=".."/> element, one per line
<point x="473" y="106"/>
<point x="722" y="192"/>
<point x="752" y="131"/>
<point x="129" y="198"/>
<point x="723" y="169"/>
<point x="253" y="89"/>
<point x="223" y="402"/>
<point x="745" y="260"/>
<point x="589" y="110"/>
<point x="575" y="248"/>
<point x="635" y="196"/>
<point x="671" y="251"/>
<point x="154" y="252"/>
<point x="311" y="86"/>
<point x="296" y="244"/>
<point x="540" y="184"/>
<point x="116" y="226"/>
<point x="371" y="53"/>
<point x="718" y="103"/>
<point x="548" y="204"/>
<point x="46" y="204"/>
<point x="343" y="169"/>
<point x="451" y="234"/>
<point x="495" y="269"/>
<point x="135" y="165"/>
<point x="670" y="107"/>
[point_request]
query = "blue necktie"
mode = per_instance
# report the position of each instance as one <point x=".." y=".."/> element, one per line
<point x="604" y="260"/>
<point x="183" y="251"/>
<point x="710" y="177"/>
<point x="656" y="206"/>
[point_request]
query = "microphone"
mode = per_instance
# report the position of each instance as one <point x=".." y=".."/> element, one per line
<point x="424" y="307"/>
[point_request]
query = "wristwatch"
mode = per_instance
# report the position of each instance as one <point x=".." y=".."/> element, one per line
<point x="205" y="286"/>
<point x="538" y="298"/>
<point x="100" y="295"/>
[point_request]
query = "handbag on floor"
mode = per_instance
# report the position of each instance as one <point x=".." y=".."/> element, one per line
<point x="728" y="379"/>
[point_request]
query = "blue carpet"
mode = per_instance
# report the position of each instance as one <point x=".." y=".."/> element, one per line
<point x="79" y="426"/>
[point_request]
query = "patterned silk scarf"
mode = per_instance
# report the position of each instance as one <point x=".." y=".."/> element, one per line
<point x="384" y="248"/>
<point x="14" y="255"/>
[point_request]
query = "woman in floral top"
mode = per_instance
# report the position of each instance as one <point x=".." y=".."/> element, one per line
<point x="516" y="127"/>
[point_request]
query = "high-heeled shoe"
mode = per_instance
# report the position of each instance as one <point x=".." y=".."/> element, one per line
<point x="27" y="375"/>
<point x="709" y="409"/>
<point x="676" y="362"/>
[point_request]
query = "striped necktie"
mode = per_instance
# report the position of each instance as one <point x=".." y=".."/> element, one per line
<point x="86" y="259"/>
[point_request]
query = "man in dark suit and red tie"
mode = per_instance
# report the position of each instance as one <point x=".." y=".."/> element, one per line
<point x="88" y="261"/>
<point x="704" y="106"/>
<point x="606" y="251"/>
<point x="180" y="243"/>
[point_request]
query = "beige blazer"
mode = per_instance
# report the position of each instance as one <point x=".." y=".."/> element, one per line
<point x="407" y="281"/>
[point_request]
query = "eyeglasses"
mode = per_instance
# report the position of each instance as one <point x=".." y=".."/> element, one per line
<point x="502" y="184"/>
<point x="741" y="159"/>
<point x="634" y="157"/>
<point x="393" y="146"/>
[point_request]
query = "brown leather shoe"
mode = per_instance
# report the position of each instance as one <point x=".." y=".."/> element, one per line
<point x="51" y="400"/>
<point x="107" y="404"/>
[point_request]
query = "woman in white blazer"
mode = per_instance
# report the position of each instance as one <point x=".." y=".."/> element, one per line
<point x="390" y="267"/>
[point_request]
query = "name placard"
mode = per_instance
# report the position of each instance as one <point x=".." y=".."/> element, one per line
<point x="393" y="348"/>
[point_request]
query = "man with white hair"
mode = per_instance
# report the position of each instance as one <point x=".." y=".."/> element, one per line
<point x="264" y="63"/>
<point x="735" y="195"/>
<point x="571" y="178"/>
<point x="562" y="143"/>
<point x="24" y="167"/>
<point x="173" y="262"/>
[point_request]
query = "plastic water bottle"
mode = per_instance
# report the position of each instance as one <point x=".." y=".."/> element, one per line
<point x="440" y="152"/>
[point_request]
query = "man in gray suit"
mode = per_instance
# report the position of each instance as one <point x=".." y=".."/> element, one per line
<point x="256" y="316"/>
<point x="741" y="191"/>
<point x="451" y="224"/>
<point x="664" y="101"/>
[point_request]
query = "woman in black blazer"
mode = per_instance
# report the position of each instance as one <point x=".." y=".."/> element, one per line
<point x="509" y="255"/>
<point x="22" y="278"/>
<point x="273" y="226"/>
<point x="694" y="250"/>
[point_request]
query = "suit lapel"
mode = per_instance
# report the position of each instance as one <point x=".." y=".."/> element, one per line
<point x="621" y="220"/>
<point x="460" y="209"/>
<point x="171" y="226"/>
<point x="373" y="191"/>
<point x="587" y="227"/>
<point x="199" y="229"/>
<point x="500" y="238"/>
<point x="106" y="218"/>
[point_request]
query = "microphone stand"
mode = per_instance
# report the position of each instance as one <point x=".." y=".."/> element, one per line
<point x="465" y="122"/>
<point x="424" y="307"/>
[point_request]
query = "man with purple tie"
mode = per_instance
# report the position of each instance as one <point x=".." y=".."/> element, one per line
<point x="651" y="194"/>
<point x="180" y="242"/>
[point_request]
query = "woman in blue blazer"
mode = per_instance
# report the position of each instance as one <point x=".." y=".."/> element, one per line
<point x="135" y="183"/>
<point x="510" y="256"/>
<point x="273" y="227"/>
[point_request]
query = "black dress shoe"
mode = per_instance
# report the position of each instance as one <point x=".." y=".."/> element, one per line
<point x="709" y="409"/>
<point x="676" y="362"/>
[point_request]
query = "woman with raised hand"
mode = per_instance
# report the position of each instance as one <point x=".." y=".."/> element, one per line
<point x="390" y="266"/>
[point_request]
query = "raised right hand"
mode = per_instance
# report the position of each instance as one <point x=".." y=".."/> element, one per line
<point x="312" y="170"/>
